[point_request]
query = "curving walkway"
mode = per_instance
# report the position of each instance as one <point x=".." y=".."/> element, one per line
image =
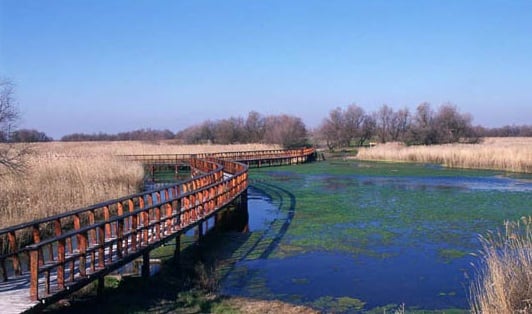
<point x="69" y="251"/>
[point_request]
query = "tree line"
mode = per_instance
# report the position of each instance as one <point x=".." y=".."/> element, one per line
<point x="136" y="135"/>
<point x="426" y="126"/>
<point x="343" y="127"/>
<point x="288" y="131"/>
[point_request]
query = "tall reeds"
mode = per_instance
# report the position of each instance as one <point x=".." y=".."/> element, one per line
<point x="508" y="154"/>
<point x="62" y="176"/>
<point x="140" y="148"/>
<point x="504" y="275"/>
<point x="52" y="185"/>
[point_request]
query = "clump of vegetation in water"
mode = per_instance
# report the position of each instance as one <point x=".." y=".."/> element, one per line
<point x="449" y="254"/>
<point x="338" y="305"/>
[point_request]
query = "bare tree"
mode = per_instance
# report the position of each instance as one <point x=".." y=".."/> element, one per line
<point x="342" y="126"/>
<point x="367" y="130"/>
<point x="447" y="125"/>
<point x="254" y="127"/>
<point x="353" y="118"/>
<point x="289" y="131"/>
<point x="423" y="130"/>
<point x="451" y="125"/>
<point x="29" y="136"/>
<point x="399" y="124"/>
<point x="229" y="131"/>
<point x="384" y="119"/>
<point x="11" y="156"/>
<point x="332" y="129"/>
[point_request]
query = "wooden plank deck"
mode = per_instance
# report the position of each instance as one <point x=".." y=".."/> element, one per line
<point x="14" y="295"/>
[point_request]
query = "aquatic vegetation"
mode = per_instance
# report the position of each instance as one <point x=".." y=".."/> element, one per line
<point x="301" y="281"/>
<point x="408" y="208"/>
<point x="406" y="228"/>
<point x="449" y="254"/>
<point x="338" y="305"/>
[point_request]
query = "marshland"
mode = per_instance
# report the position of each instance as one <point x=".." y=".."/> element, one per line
<point x="420" y="111"/>
<point x="341" y="235"/>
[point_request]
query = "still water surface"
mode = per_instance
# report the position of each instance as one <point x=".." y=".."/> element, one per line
<point x="381" y="233"/>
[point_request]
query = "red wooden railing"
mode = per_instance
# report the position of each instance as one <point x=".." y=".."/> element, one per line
<point x="65" y="252"/>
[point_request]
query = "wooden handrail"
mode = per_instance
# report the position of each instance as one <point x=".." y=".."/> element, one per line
<point x="71" y="249"/>
<point x="236" y="156"/>
<point x="40" y="229"/>
<point x="98" y="251"/>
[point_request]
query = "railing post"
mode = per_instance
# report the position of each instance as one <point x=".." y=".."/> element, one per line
<point x="101" y="247"/>
<point x="134" y="233"/>
<point x="106" y="216"/>
<point x="61" y="266"/>
<point x="60" y="255"/>
<point x="4" y="271"/>
<point x="120" y="228"/>
<point x="158" y="223"/>
<point x="34" y="274"/>
<point x="83" y="251"/>
<point x="13" y="247"/>
<point x="36" y="240"/>
<point x="145" y="222"/>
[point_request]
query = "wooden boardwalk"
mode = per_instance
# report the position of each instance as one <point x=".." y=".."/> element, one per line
<point x="65" y="252"/>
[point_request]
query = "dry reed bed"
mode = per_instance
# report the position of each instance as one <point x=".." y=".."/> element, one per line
<point x="65" y="176"/>
<point x="53" y="185"/>
<point x="507" y="154"/>
<point x="139" y="148"/>
<point x="504" y="276"/>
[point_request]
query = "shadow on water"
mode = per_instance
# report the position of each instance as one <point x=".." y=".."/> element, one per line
<point x="202" y="264"/>
<point x="264" y="236"/>
<point x="290" y="212"/>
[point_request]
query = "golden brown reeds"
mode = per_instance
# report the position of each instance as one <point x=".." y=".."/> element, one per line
<point x="140" y="148"/>
<point x="504" y="283"/>
<point x="64" y="176"/>
<point x="508" y="154"/>
<point x="52" y="185"/>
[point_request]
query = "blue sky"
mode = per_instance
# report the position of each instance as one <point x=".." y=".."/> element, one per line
<point x="110" y="66"/>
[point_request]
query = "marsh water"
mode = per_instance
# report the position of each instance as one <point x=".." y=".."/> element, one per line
<point x="348" y="236"/>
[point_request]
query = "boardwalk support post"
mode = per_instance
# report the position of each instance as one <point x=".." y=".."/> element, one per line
<point x="199" y="232"/>
<point x="177" y="251"/>
<point x="101" y="286"/>
<point x="145" y="270"/>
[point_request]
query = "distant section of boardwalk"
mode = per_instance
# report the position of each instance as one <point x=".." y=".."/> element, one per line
<point x="65" y="252"/>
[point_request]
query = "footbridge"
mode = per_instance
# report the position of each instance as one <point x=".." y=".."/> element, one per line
<point x="45" y="260"/>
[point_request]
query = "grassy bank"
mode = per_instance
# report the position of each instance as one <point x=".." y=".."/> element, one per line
<point x="507" y="154"/>
<point x="64" y="176"/>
